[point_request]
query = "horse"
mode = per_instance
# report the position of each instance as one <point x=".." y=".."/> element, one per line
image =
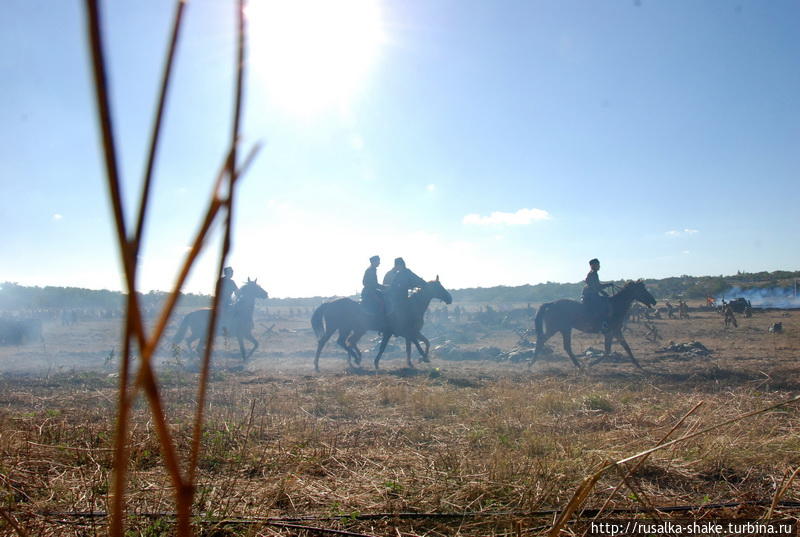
<point x="238" y="323"/>
<point x="352" y="321"/>
<point x="407" y="321"/>
<point x="564" y="315"/>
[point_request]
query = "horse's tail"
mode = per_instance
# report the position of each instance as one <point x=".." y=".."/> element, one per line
<point x="181" y="330"/>
<point x="539" y="322"/>
<point x="317" y="321"/>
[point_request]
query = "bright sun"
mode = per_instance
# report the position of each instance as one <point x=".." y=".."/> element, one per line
<point x="313" y="55"/>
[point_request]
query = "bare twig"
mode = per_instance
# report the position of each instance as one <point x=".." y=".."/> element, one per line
<point x="780" y="492"/>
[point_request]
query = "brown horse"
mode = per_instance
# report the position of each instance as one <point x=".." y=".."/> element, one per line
<point x="564" y="315"/>
<point x="239" y="323"/>
<point x="351" y="321"/>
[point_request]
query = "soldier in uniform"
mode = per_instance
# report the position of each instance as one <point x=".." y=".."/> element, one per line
<point x="730" y="318"/>
<point x="372" y="292"/>
<point x="399" y="281"/>
<point x="595" y="297"/>
<point x="229" y="291"/>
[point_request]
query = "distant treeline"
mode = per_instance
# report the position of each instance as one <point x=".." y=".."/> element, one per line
<point x="19" y="297"/>
<point x="688" y="287"/>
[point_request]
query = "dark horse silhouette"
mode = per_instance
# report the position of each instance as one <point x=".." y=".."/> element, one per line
<point x="407" y="321"/>
<point x="564" y="315"/>
<point x="352" y="322"/>
<point x="238" y="324"/>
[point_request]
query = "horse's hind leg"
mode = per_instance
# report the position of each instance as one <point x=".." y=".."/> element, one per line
<point x="342" y="342"/>
<point x="352" y="342"/>
<point x="567" y="336"/>
<point x="322" y="341"/>
<point x="541" y="339"/>
<point x="408" y="353"/>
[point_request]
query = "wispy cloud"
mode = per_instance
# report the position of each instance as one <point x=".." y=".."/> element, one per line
<point x="680" y="232"/>
<point x="57" y="217"/>
<point x="431" y="187"/>
<point x="522" y="217"/>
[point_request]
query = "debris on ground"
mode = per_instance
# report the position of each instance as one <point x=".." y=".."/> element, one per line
<point x="591" y="352"/>
<point x="776" y="328"/>
<point x="694" y="348"/>
<point x="450" y="351"/>
<point x="595" y="355"/>
<point x="521" y="355"/>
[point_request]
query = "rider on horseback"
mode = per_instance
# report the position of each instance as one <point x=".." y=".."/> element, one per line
<point x="228" y="290"/>
<point x="400" y="280"/>
<point x="595" y="298"/>
<point x="372" y="293"/>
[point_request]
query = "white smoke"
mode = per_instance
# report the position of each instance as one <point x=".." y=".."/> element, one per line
<point x="764" y="297"/>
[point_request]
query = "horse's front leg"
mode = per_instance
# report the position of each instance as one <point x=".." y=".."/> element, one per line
<point x="424" y="354"/>
<point x="254" y="341"/>
<point x="408" y="353"/>
<point x="382" y="348"/>
<point x="628" y="350"/>
<point x="241" y="347"/>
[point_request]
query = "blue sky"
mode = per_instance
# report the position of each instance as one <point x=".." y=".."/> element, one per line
<point x="501" y="142"/>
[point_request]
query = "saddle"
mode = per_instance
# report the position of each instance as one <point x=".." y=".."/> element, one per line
<point x="598" y="309"/>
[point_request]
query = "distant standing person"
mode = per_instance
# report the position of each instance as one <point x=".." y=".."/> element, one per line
<point x="730" y="318"/>
<point x="371" y="294"/>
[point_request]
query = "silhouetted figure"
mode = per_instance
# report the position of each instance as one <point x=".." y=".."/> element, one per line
<point x="683" y="310"/>
<point x="229" y="292"/>
<point x="730" y="318"/>
<point x="398" y="282"/>
<point x="372" y="292"/>
<point x="594" y="296"/>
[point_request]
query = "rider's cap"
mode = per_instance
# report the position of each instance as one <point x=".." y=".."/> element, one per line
<point x="399" y="261"/>
<point x="374" y="258"/>
<point x="594" y="261"/>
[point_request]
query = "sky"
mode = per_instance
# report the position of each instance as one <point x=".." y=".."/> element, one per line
<point x="487" y="142"/>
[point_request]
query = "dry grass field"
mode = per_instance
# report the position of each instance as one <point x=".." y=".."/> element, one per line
<point x="483" y="446"/>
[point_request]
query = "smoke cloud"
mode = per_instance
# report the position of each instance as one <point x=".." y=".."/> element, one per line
<point x="769" y="297"/>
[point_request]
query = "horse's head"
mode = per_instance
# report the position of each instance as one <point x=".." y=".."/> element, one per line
<point x="437" y="290"/>
<point x="253" y="290"/>
<point x="641" y="293"/>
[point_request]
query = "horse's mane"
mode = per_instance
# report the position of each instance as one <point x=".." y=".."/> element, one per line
<point x="417" y="290"/>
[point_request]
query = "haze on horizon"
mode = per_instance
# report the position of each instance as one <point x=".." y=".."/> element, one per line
<point x="489" y="143"/>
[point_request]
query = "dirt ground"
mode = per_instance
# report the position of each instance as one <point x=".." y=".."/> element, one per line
<point x="473" y="443"/>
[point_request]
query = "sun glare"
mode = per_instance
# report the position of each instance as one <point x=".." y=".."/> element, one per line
<point x="313" y="55"/>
